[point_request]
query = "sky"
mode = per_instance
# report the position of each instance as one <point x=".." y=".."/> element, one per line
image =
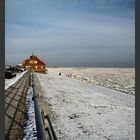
<point x="66" y="33"/>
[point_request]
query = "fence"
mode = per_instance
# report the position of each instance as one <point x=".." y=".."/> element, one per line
<point x="39" y="116"/>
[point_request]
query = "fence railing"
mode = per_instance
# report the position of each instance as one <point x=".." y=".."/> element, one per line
<point x="41" y="134"/>
<point x="39" y="116"/>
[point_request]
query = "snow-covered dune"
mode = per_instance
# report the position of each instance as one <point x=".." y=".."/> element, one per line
<point x="83" y="111"/>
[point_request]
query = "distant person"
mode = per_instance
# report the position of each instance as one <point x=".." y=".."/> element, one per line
<point x="60" y="74"/>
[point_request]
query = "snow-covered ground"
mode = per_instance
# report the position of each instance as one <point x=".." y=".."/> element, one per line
<point x="9" y="82"/>
<point x="83" y="111"/>
<point x="30" y="124"/>
<point x="120" y="79"/>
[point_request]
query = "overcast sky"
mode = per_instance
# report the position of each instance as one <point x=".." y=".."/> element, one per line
<point x="71" y="32"/>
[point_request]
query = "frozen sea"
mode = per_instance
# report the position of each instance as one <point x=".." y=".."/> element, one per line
<point x="81" y="110"/>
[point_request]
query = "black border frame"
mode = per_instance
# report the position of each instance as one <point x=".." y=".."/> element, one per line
<point x="2" y="66"/>
<point x="137" y="69"/>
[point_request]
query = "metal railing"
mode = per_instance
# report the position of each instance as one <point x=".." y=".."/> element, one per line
<point x="51" y="131"/>
<point x="41" y="134"/>
<point x="39" y="116"/>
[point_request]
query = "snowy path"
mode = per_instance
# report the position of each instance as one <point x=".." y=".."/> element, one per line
<point x="81" y="111"/>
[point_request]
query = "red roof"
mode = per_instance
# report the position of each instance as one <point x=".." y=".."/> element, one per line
<point x="33" y="57"/>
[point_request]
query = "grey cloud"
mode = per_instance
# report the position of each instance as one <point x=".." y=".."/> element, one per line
<point x="63" y="37"/>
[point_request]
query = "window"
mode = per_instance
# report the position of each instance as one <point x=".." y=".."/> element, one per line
<point x="33" y="62"/>
<point x="36" y="66"/>
<point x="41" y="67"/>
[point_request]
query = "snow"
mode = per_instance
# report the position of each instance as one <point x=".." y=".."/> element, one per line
<point x="120" y="79"/>
<point x="30" y="125"/>
<point x="83" y="111"/>
<point x="10" y="82"/>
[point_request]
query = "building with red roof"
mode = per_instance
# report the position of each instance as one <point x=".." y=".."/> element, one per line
<point x="35" y="63"/>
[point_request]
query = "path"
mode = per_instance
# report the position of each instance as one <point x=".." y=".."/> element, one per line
<point x="15" y="108"/>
